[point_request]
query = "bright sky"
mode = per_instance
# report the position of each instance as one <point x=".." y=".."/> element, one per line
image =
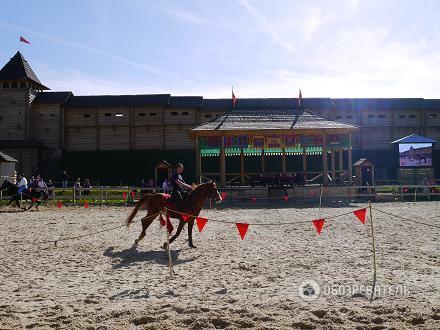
<point x="336" y="48"/>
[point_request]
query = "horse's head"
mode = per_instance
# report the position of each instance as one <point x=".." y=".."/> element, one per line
<point x="213" y="192"/>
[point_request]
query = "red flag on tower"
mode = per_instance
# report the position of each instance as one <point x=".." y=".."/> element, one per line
<point x="24" y="40"/>
<point x="299" y="98"/>
<point x="234" y="99"/>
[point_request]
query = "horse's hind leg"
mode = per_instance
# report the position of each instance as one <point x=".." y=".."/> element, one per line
<point x="146" y="222"/>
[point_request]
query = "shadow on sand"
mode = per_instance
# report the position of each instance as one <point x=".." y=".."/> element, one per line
<point x="131" y="256"/>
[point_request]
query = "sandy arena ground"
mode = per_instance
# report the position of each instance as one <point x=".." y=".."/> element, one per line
<point x="103" y="282"/>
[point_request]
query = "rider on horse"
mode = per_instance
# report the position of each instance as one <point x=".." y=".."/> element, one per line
<point x="22" y="183"/>
<point x="180" y="188"/>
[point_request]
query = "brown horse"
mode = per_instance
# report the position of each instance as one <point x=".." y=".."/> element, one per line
<point x="193" y="204"/>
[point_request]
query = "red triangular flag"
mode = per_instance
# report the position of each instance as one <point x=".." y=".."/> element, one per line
<point x="132" y="194"/>
<point x="169" y="225"/>
<point x="361" y="214"/>
<point x="185" y="217"/>
<point x="34" y="200"/>
<point x="223" y="195"/>
<point x="162" y="221"/>
<point x="201" y="222"/>
<point x="24" y="40"/>
<point x="59" y="204"/>
<point x="319" y="223"/>
<point x="86" y="204"/>
<point x="124" y="195"/>
<point x="254" y="199"/>
<point x="242" y="229"/>
<point x="286" y="198"/>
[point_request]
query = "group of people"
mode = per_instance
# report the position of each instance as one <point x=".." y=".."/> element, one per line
<point x="176" y="185"/>
<point x="36" y="183"/>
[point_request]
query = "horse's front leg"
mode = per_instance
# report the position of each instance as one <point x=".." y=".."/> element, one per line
<point x="190" y="235"/>
<point x="178" y="231"/>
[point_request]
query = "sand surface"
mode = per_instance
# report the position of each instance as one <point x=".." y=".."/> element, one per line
<point x="103" y="281"/>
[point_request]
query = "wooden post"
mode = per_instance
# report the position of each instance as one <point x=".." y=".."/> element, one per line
<point x="222" y="163"/>
<point x="198" y="162"/>
<point x="333" y="161"/>
<point x="263" y="163"/>
<point x="305" y="164"/>
<point x="350" y="163"/>
<point x="241" y="166"/>
<point x="324" y="162"/>
<point x="283" y="161"/>
<point x="341" y="163"/>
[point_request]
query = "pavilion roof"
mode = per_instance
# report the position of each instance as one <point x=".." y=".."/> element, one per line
<point x="6" y="158"/>
<point x="270" y="119"/>
<point x="19" y="69"/>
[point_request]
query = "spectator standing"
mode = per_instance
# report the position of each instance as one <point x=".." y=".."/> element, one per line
<point x="165" y="186"/>
<point x="87" y="187"/>
<point x="50" y="187"/>
<point x="65" y="178"/>
<point x="41" y="187"/>
<point x="77" y="187"/>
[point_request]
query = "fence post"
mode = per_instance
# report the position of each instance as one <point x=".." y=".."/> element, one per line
<point x="73" y="189"/>
<point x="102" y="196"/>
<point x="428" y="192"/>
<point x="401" y="193"/>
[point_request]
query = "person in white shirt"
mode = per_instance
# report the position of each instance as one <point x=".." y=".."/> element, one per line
<point x="22" y="183"/>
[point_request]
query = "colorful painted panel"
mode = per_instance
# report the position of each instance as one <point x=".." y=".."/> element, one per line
<point x="236" y="141"/>
<point x="274" y="142"/>
<point x="258" y="142"/>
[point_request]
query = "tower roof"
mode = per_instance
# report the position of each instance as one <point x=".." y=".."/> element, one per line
<point x="19" y="69"/>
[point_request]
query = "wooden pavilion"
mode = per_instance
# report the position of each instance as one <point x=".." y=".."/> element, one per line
<point x="247" y="130"/>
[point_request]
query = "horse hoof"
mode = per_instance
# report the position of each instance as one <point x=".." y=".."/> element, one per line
<point x="165" y="246"/>
<point x="192" y="246"/>
<point x="136" y="242"/>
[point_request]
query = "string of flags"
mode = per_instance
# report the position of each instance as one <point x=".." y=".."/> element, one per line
<point x="254" y="199"/>
<point x="243" y="227"/>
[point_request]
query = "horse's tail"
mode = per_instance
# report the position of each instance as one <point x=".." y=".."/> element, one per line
<point x="139" y="204"/>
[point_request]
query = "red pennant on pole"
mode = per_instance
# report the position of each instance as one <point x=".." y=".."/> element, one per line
<point x="254" y="199"/>
<point x="162" y="221"/>
<point x="223" y="194"/>
<point x="201" y="222"/>
<point x="286" y="198"/>
<point x="361" y="214"/>
<point x="170" y="227"/>
<point x="132" y="194"/>
<point x="124" y="195"/>
<point x="59" y="204"/>
<point x="319" y="223"/>
<point x="34" y="200"/>
<point x="242" y="229"/>
<point x="86" y="204"/>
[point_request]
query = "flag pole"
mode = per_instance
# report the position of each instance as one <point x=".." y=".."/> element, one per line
<point x="374" y="252"/>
